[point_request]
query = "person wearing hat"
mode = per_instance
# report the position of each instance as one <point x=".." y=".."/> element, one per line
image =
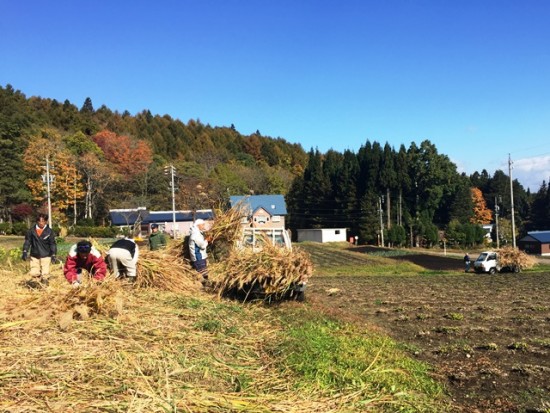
<point x="157" y="240"/>
<point x="197" y="248"/>
<point x="83" y="256"/>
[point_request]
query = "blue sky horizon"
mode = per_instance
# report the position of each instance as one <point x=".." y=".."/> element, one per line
<point x="471" y="77"/>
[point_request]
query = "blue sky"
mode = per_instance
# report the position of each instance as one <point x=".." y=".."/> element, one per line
<point x="473" y="77"/>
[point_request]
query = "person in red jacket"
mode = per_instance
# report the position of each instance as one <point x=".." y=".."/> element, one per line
<point x="82" y="256"/>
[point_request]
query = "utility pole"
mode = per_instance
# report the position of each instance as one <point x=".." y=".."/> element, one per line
<point x="48" y="190"/>
<point x="172" y="170"/>
<point x="380" y="200"/>
<point x="497" y="209"/>
<point x="512" y="202"/>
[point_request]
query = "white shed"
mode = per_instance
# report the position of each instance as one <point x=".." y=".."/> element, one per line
<point x="322" y="235"/>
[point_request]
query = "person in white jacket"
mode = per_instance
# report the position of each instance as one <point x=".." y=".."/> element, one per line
<point x="197" y="248"/>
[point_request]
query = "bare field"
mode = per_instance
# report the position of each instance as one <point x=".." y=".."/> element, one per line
<point x="488" y="337"/>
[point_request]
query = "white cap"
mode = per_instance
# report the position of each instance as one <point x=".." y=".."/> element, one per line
<point x="199" y="221"/>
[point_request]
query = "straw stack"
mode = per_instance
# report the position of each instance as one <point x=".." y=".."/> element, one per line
<point x="512" y="257"/>
<point x="274" y="271"/>
<point x="166" y="270"/>
<point x="67" y="304"/>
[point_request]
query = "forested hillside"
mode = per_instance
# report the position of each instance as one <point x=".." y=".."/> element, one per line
<point x="101" y="159"/>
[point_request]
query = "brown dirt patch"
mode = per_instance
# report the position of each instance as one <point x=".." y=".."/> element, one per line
<point x="487" y="336"/>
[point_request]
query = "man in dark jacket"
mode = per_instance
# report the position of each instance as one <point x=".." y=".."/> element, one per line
<point x="41" y="247"/>
<point x="157" y="240"/>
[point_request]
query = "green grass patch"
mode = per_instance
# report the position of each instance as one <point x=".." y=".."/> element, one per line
<point x="337" y="357"/>
<point x="331" y="260"/>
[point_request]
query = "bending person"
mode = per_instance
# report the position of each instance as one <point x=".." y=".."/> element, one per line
<point x="123" y="256"/>
<point x="83" y="256"/>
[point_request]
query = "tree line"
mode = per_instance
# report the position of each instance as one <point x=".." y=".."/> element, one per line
<point x="102" y="159"/>
<point x="410" y="196"/>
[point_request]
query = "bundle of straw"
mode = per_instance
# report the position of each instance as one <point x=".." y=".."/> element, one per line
<point x="91" y="298"/>
<point x="512" y="257"/>
<point x="166" y="270"/>
<point x="274" y="270"/>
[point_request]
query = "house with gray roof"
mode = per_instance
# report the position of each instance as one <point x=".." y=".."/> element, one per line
<point x="535" y="242"/>
<point x="139" y="220"/>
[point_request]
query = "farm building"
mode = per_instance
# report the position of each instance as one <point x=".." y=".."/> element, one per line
<point x="535" y="242"/>
<point x="140" y="220"/>
<point x="322" y="235"/>
<point x="262" y="211"/>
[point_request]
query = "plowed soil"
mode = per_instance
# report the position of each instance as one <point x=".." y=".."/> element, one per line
<point x="486" y="336"/>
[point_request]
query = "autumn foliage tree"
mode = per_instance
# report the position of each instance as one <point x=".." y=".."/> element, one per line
<point x="482" y="215"/>
<point x="128" y="156"/>
<point x="65" y="185"/>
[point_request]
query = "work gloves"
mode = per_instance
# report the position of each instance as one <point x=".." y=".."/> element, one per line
<point x="76" y="284"/>
<point x="24" y="256"/>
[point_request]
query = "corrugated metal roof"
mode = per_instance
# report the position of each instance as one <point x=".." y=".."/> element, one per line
<point x="129" y="217"/>
<point x="541" y="236"/>
<point x="273" y="204"/>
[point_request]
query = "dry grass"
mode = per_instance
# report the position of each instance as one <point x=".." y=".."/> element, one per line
<point x="275" y="269"/>
<point x="155" y="351"/>
<point x="509" y="257"/>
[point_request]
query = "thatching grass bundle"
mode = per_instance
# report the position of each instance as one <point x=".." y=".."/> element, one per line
<point x="166" y="270"/>
<point x="65" y="304"/>
<point x="512" y="257"/>
<point x="274" y="269"/>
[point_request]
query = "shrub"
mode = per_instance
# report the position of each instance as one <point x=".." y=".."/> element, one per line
<point x="95" y="232"/>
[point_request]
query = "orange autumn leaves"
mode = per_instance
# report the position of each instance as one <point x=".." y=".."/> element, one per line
<point x="74" y="167"/>
<point x="482" y="215"/>
<point x="128" y="156"/>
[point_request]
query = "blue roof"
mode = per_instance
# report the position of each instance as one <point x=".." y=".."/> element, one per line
<point x="129" y="217"/>
<point x="273" y="204"/>
<point x="540" y="236"/>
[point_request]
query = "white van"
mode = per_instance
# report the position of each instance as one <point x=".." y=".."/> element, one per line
<point x="487" y="262"/>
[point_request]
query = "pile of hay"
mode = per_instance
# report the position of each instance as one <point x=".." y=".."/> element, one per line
<point x="65" y="304"/>
<point x="166" y="270"/>
<point x="512" y="257"/>
<point x="273" y="271"/>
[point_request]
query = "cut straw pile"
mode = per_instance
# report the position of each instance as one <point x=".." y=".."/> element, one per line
<point x="274" y="269"/>
<point x="512" y="257"/>
<point x="66" y="304"/>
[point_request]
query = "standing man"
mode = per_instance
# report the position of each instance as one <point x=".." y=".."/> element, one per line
<point x="197" y="248"/>
<point x="83" y="256"/>
<point x="40" y="245"/>
<point x="157" y="240"/>
<point x="123" y="256"/>
<point x="467" y="262"/>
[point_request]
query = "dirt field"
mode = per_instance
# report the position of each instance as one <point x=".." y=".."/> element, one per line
<point x="488" y="337"/>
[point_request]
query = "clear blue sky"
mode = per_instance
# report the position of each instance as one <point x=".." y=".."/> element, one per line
<point x="471" y="76"/>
